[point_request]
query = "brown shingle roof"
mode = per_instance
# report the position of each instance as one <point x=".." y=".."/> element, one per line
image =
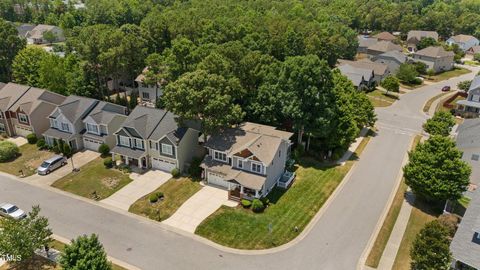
<point x="387" y="36"/>
<point x="434" y="52"/>
<point x="378" y="68"/>
<point x="385" y="46"/>
<point x="462" y="38"/>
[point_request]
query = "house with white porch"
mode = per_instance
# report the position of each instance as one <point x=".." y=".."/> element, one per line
<point x="248" y="160"/>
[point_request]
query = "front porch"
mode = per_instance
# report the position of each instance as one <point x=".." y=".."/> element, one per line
<point x="240" y="192"/>
<point x="140" y="163"/>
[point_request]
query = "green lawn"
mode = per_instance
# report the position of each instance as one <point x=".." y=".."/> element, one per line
<point x="93" y="177"/>
<point x="243" y="229"/>
<point x="28" y="160"/>
<point x="411" y="86"/>
<point x="381" y="241"/>
<point x="472" y="63"/>
<point x="176" y="192"/>
<point x="448" y="74"/>
<point x="422" y="213"/>
<point x="380" y="99"/>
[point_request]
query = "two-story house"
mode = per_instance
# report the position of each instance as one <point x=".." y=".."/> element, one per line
<point x="148" y="93"/>
<point x="25" y="109"/>
<point x="464" y="42"/>
<point x="414" y="37"/>
<point x="470" y="107"/>
<point x="101" y="123"/>
<point x="362" y="78"/>
<point x="393" y="59"/>
<point x="152" y="138"/>
<point x="436" y="58"/>
<point x="66" y="121"/>
<point x="37" y="34"/>
<point x="248" y="160"/>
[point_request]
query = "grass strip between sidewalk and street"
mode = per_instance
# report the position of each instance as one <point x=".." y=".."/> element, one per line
<point x="429" y="103"/>
<point x="381" y="241"/>
<point x="289" y="211"/>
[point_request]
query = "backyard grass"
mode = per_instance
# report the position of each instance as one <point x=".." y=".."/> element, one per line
<point x="448" y="74"/>
<point x="288" y="210"/>
<point x="422" y="213"/>
<point x="28" y="160"/>
<point x="93" y="178"/>
<point x="472" y="63"/>
<point x="429" y="103"/>
<point x="381" y="241"/>
<point x="381" y="99"/>
<point x="175" y="191"/>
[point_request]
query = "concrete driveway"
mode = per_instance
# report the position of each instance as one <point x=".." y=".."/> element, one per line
<point x="79" y="159"/>
<point x="19" y="141"/>
<point x="201" y="205"/>
<point x="141" y="185"/>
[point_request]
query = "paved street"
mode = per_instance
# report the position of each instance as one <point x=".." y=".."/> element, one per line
<point x="336" y="242"/>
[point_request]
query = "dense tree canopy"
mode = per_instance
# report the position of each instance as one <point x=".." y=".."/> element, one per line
<point x="85" y="253"/>
<point x="430" y="248"/>
<point x="440" y="124"/>
<point x="10" y="45"/>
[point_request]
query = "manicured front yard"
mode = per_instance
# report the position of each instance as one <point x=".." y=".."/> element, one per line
<point x="175" y="191"/>
<point x="93" y="178"/>
<point x="28" y="160"/>
<point x="381" y="99"/>
<point x="448" y="74"/>
<point x="243" y="229"/>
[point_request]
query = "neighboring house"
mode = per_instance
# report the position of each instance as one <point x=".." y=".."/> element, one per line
<point x="468" y="141"/>
<point x="147" y="93"/>
<point x="365" y="42"/>
<point x="471" y="106"/>
<point x="24" y="29"/>
<point x="361" y="78"/>
<point x="36" y="35"/>
<point x="436" y="58"/>
<point x="24" y="109"/>
<point x="66" y="121"/>
<point x="247" y="160"/>
<point x="393" y="59"/>
<point x="152" y="138"/>
<point x="380" y="71"/>
<point x="382" y="47"/>
<point x="465" y="245"/>
<point x="470" y="54"/>
<point x="100" y="124"/>
<point x="414" y="37"/>
<point x="385" y="36"/>
<point x="464" y="42"/>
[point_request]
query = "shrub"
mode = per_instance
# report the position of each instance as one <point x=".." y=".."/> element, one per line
<point x="195" y="171"/>
<point x="108" y="162"/>
<point x="32" y="138"/>
<point x="265" y="201"/>
<point x="41" y="144"/>
<point x="430" y="249"/>
<point x="8" y="151"/>
<point x="104" y="150"/>
<point x="160" y="195"/>
<point x="450" y="222"/>
<point x="4" y="135"/>
<point x="176" y="173"/>
<point x="246" y="203"/>
<point x="257" y="206"/>
<point x="153" y="198"/>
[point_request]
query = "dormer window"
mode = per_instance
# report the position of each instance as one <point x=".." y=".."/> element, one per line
<point x="220" y="156"/>
<point x="139" y="143"/>
<point x="65" y="127"/>
<point x="54" y="123"/>
<point x="23" y="118"/>
<point x="91" y="128"/>
<point x="124" y="141"/>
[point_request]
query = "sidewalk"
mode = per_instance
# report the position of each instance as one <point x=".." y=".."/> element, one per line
<point x="433" y="107"/>
<point x="353" y="147"/>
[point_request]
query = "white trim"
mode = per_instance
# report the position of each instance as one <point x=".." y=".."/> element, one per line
<point x="120" y="138"/>
<point x="92" y="131"/>
<point x="165" y="147"/>
<point x="257" y="164"/>
<point x="240" y="163"/>
<point x="215" y="152"/>
<point x="139" y="143"/>
<point x="20" y="116"/>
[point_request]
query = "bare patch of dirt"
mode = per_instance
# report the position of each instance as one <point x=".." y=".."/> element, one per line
<point x="110" y="182"/>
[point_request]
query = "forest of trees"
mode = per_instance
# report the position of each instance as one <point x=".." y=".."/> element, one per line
<point x="272" y="59"/>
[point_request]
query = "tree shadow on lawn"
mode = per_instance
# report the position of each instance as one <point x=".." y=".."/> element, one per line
<point x="427" y="207"/>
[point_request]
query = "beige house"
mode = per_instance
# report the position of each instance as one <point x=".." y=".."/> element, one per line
<point x="382" y="47"/>
<point x="385" y="36"/>
<point x="37" y="34"/>
<point x="436" y="58"/>
<point x="414" y="37"/>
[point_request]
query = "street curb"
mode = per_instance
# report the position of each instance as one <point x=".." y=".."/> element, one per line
<point x="361" y="262"/>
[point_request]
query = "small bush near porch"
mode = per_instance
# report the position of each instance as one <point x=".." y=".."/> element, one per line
<point x="175" y="193"/>
<point x="288" y="210"/>
<point x="93" y="181"/>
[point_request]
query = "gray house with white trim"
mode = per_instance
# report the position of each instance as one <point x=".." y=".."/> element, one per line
<point x="470" y="107"/>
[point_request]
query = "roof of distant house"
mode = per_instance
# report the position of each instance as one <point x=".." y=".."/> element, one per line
<point x="468" y="134"/>
<point x="355" y="74"/>
<point x="141" y="76"/>
<point x="463" y="38"/>
<point x="464" y="246"/>
<point x="74" y="108"/>
<point x="10" y="94"/>
<point x="23" y="29"/>
<point x="435" y="52"/>
<point x="399" y="56"/>
<point x="39" y="30"/>
<point x="474" y="49"/>
<point x="385" y="46"/>
<point x="378" y="68"/>
<point x="366" y="41"/>
<point x="385" y="36"/>
<point x="36" y="97"/>
<point x="419" y="34"/>
<point x="104" y="112"/>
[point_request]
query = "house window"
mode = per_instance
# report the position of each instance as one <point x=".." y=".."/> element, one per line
<point x="23" y="118"/>
<point x="125" y="141"/>
<point x="1" y="115"/>
<point x="139" y="143"/>
<point x="220" y="156"/>
<point x="240" y="163"/>
<point x="475" y="157"/>
<point x="156" y="146"/>
<point x="2" y="127"/>
<point x="256" y="168"/>
<point x="92" y="128"/>
<point x="145" y="95"/>
<point x="167" y="149"/>
<point x="65" y="127"/>
<point x="54" y="123"/>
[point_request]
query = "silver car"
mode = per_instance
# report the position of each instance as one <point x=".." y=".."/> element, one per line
<point x="11" y="211"/>
<point x="51" y="164"/>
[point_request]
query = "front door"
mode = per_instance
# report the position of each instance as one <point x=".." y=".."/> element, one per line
<point x="144" y="162"/>
<point x="73" y="145"/>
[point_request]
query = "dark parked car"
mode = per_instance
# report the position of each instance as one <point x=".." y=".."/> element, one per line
<point x="446" y="88"/>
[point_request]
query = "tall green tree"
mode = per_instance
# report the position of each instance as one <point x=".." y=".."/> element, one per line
<point x="440" y="124"/>
<point x="85" y="253"/>
<point x="204" y="97"/>
<point x="426" y="42"/>
<point x="23" y="237"/>
<point x="407" y="73"/>
<point x="52" y="74"/>
<point x="26" y="66"/>
<point x="391" y="84"/>
<point x="155" y="73"/>
<point x="436" y="171"/>
<point x="464" y="85"/>
<point x="431" y="249"/>
<point x="10" y="45"/>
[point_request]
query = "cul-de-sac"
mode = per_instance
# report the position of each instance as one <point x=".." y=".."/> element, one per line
<point x="233" y="135"/>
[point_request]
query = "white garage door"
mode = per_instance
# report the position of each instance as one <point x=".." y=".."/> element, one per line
<point x="216" y="180"/>
<point x="91" y="144"/>
<point x="22" y="131"/>
<point x="164" y="165"/>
